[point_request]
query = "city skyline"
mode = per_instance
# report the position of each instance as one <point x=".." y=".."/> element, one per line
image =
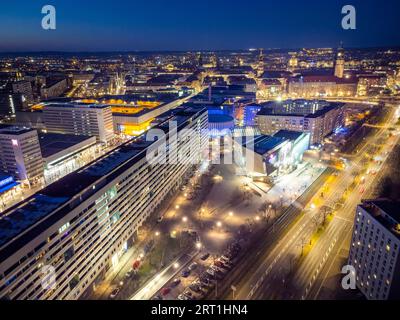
<point x="142" y="158"/>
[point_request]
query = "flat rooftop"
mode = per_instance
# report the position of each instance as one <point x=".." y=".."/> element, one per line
<point x="51" y="81"/>
<point x="53" y="143"/>
<point x="15" y="130"/>
<point x="378" y="208"/>
<point x="283" y="108"/>
<point x="262" y="144"/>
<point x="20" y="224"/>
<point x="77" y="105"/>
<point x="11" y="224"/>
<point x="288" y="134"/>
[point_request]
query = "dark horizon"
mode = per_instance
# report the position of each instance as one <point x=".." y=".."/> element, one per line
<point x="181" y="26"/>
<point x="193" y="50"/>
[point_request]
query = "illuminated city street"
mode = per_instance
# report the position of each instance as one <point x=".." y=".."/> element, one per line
<point x="200" y="159"/>
<point x="290" y="275"/>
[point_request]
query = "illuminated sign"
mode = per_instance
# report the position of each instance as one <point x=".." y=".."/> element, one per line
<point x="63" y="228"/>
<point x="6" y="181"/>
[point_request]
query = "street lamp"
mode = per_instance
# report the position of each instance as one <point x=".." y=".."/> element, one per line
<point x="157" y="234"/>
<point x="177" y="207"/>
<point x="230" y="213"/>
<point x="313" y="206"/>
<point x="199" y="245"/>
<point x="184" y="219"/>
<point x="176" y="265"/>
<point x="219" y="224"/>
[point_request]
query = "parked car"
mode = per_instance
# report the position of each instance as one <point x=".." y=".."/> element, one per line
<point x="114" y="293"/>
<point x="136" y="264"/>
<point x="211" y="272"/>
<point x="214" y="274"/>
<point x="205" y="277"/>
<point x="228" y="265"/>
<point x="176" y="282"/>
<point x="188" y="294"/>
<point x="185" y="273"/>
<point x="183" y="297"/>
<point x="165" y="291"/>
<point x="160" y="219"/>
<point x="223" y="264"/>
<point x="219" y="271"/>
<point x="193" y="266"/>
<point x="195" y="287"/>
<point x="207" y="283"/>
<point x="128" y="274"/>
<point x="215" y="268"/>
<point x="225" y="258"/>
<point x="205" y="256"/>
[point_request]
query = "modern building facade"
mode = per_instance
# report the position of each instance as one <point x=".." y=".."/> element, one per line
<point x="65" y="153"/>
<point x="264" y="155"/>
<point x="80" y="119"/>
<point x="20" y="154"/>
<point x="24" y="88"/>
<point x="78" y="227"/>
<point x="375" y="248"/>
<point x="317" y="117"/>
<point x="54" y="88"/>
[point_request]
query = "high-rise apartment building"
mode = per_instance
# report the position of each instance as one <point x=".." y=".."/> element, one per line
<point x="80" y="119"/>
<point x="20" y="154"/>
<point x="317" y="117"/>
<point x="24" y="88"/>
<point x="78" y="227"/>
<point x="375" y="248"/>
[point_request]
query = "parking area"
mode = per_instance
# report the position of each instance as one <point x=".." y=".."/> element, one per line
<point x="213" y="210"/>
<point x="200" y="276"/>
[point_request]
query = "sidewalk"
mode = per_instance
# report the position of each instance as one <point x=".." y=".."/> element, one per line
<point x="164" y="250"/>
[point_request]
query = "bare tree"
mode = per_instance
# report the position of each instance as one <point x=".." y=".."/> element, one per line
<point x="316" y="220"/>
<point x="325" y="211"/>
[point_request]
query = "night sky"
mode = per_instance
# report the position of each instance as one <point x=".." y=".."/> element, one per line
<point x="116" y="25"/>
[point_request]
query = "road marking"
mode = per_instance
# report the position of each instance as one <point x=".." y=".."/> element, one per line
<point x="318" y="269"/>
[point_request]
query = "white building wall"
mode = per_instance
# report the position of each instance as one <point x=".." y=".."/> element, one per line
<point x="374" y="254"/>
<point x="98" y="227"/>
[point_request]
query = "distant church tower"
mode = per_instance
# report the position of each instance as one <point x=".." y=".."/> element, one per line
<point x="260" y="66"/>
<point x="199" y="59"/>
<point x="339" y="62"/>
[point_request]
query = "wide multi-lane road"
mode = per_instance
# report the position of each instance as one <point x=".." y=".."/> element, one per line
<point x="340" y="227"/>
<point x="279" y="271"/>
<point x="308" y="274"/>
